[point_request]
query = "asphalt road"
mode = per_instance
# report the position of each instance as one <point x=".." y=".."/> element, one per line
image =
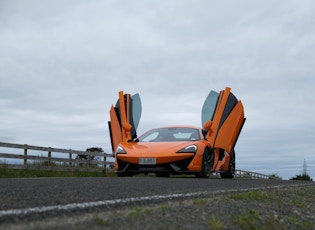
<point x="20" y="197"/>
<point x="63" y="200"/>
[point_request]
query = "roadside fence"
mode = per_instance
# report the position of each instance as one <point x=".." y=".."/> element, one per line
<point x="248" y="174"/>
<point x="73" y="160"/>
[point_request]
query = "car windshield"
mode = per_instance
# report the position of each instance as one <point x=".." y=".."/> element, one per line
<point x="170" y="134"/>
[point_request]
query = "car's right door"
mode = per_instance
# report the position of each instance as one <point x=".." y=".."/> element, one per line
<point x="223" y="118"/>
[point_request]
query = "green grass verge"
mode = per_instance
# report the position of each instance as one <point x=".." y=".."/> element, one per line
<point x="21" y="173"/>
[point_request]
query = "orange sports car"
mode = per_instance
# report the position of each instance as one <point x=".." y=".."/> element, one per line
<point x="177" y="149"/>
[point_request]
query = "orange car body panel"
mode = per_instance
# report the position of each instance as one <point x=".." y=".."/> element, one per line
<point x="124" y="115"/>
<point x="119" y="124"/>
<point x="164" y="153"/>
<point x="115" y="129"/>
<point x="217" y="116"/>
<point x="229" y="131"/>
<point x="224" y="133"/>
<point x="220" y="165"/>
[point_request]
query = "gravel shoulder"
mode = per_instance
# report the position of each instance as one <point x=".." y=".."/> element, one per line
<point x="277" y="208"/>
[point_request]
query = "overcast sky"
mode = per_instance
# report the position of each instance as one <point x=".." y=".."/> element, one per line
<point x="62" y="64"/>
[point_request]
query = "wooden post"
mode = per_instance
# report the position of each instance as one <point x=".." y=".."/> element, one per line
<point x="104" y="170"/>
<point x="49" y="155"/>
<point x="70" y="157"/>
<point x="88" y="160"/>
<point x="25" y="156"/>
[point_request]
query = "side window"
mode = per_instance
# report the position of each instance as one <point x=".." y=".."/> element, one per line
<point x="208" y="107"/>
<point x="195" y="136"/>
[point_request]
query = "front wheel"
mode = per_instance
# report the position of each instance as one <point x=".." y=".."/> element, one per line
<point x="207" y="163"/>
<point x="230" y="172"/>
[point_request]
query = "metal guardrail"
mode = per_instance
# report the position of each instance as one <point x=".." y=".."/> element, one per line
<point x="248" y="174"/>
<point x="57" y="163"/>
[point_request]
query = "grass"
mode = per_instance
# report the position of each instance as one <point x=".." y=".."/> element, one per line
<point x="6" y="172"/>
<point x="200" y="201"/>
<point x="253" y="219"/>
<point x="298" y="202"/>
<point x="254" y="195"/>
<point x="136" y="211"/>
<point x="100" y="221"/>
<point x="215" y="223"/>
<point x="248" y="220"/>
<point x="165" y="207"/>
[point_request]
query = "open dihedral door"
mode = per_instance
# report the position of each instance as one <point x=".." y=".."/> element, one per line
<point x="223" y="119"/>
<point x="124" y="119"/>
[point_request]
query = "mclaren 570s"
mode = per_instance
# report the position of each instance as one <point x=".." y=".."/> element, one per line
<point x="174" y="150"/>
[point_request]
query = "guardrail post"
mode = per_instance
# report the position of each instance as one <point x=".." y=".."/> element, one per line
<point x="25" y="156"/>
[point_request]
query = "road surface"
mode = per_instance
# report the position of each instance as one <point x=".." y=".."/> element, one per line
<point x="37" y="198"/>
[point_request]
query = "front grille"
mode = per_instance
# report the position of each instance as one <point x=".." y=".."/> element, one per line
<point x="183" y="164"/>
<point x="176" y="166"/>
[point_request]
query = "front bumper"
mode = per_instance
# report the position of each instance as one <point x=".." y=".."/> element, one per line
<point x="177" y="167"/>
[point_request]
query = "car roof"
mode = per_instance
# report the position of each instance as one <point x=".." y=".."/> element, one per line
<point x="179" y="126"/>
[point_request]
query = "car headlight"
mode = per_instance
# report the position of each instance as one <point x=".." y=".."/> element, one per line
<point x="189" y="149"/>
<point x="120" y="150"/>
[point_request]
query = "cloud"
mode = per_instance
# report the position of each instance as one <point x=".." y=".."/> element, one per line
<point x="63" y="63"/>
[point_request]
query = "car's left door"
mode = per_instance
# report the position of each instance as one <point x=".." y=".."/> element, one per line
<point x="124" y="119"/>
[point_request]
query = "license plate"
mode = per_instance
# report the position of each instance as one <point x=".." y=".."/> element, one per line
<point x="147" y="161"/>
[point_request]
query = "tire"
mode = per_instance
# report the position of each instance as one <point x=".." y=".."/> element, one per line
<point x="230" y="172"/>
<point x="207" y="163"/>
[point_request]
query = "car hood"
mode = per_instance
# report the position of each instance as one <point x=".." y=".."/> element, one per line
<point x="154" y="147"/>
